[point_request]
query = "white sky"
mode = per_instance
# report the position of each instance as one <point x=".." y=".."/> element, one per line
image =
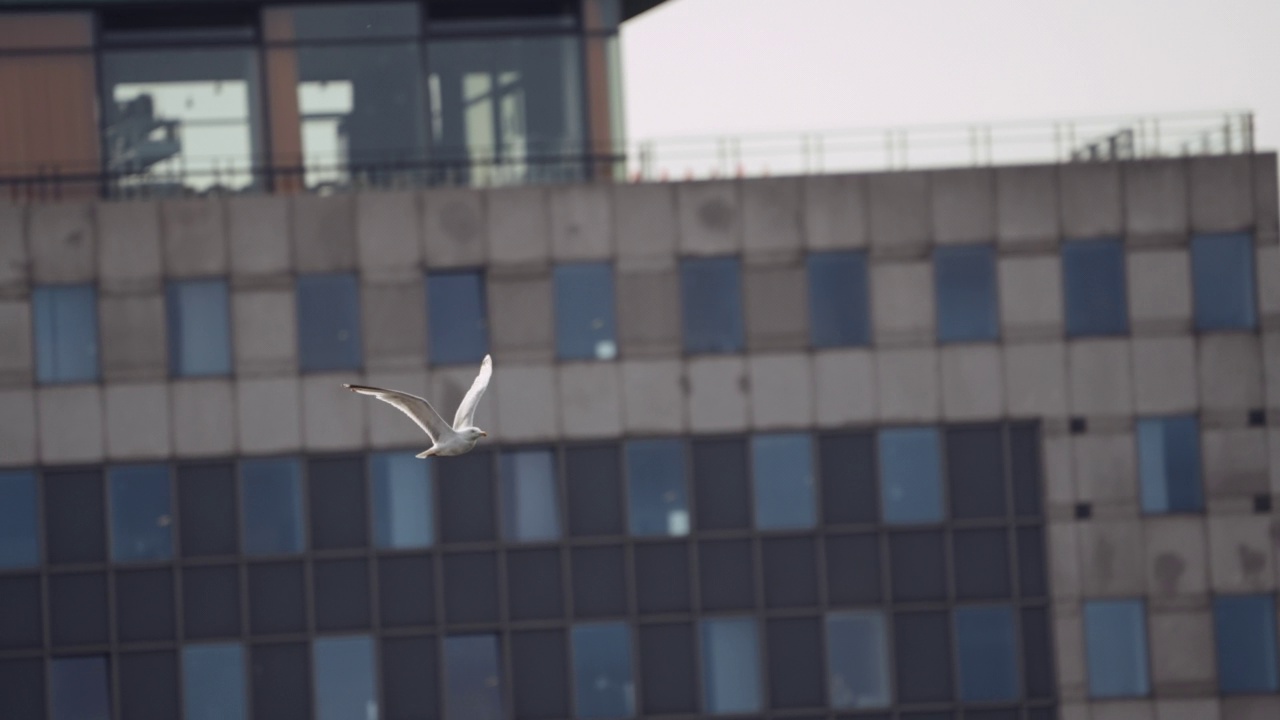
<point x="732" y="67"/>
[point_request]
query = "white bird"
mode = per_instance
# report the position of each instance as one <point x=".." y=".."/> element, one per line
<point x="445" y="440"/>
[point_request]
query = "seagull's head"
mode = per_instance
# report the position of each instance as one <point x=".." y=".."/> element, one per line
<point x="472" y="434"/>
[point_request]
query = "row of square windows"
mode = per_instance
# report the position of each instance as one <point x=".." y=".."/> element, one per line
<point x="786" y="481"/>
<point x="329" y="325"/>
<point x="865" y="659"/>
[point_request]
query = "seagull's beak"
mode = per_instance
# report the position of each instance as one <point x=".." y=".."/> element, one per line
<point x="484" y="434"/>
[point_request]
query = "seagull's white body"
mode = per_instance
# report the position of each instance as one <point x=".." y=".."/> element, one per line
<point x="446" y="440"/>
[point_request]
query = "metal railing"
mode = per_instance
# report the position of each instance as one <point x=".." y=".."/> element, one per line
<point x="977" y="145"/>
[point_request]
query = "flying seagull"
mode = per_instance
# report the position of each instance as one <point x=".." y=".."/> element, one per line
<point x="445" y="440"/>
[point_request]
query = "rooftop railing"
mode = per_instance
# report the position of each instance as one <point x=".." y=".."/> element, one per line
<point x="666" y="159"/>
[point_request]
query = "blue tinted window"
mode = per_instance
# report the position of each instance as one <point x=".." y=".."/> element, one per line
<point x="857" y="659"/>
<point x="1223" y="281"/>
<point x="272" y="497"/>
<point x="328" y="322"/>
<point x="585" y="311"/>
<point x="344" y="678"/>
<point x="457" y="326"/>
<point x="529" y="507"/>
<point x="472" y="681"/>
<point x="213" y="682"/>
<point x="910" y="475"/>
<point x="730" y="665"/>
<point x="1245" y="630"/>
<point x="1115" y="634"/>
<point x="783" y="473"/>
<point x="403" y="510"/>
<point x="986" y="654"/>
<point x="79" y="689"/>
<point x="141" y="519"/>
<point x="659" y="500"/>
<point x="838" y="299"/>
<point x="199" y="328"/>
<point x="711" y="295"/>
<point x="602" y="671"/>
<point x="66" y="331"/>
<point x="1169" y="464"/>
<point x="1093" y="282"/>
<point x="19" y="536"/>
<point x="965" y="278"/>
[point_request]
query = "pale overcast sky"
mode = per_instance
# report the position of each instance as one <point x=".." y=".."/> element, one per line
<point x="729" y="67"/>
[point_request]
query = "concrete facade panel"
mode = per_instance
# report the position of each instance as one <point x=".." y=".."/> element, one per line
<point x="772" y="217"/>
<point x="1159" y="291"/>
<point x="455" y="228"/>
<point x="964" y="205"/>
<point x="909" y="385"/>
<point x="268" y="414"/>
<point x="710" y="215"/>
<point x="717" y="398"/>
<point x="836" y="212"/>
<point x="264" y="324"/>
<point x="259" y="237"/>
<point x="204" y="417"/>
<point x="324" y="233"/>
<point x="900" y="211"/>
<point x="1035" y="377"/>
<point x="590" y="399"/>
<point x="1101" y="377"/>
<point x="1155" y="201"/>
<point x="1241" y="553"/>
<point x="1164" y="375"/>
<point x="1182" y="652"/>
<point x="582" y="222"/>
<point x="1090" y="199"/>
<point x="129" y="241"/>
<point x="17" y="356"/>
<point x="62" y="242"/>
<point x="781" y="391"/>
<point x="195" y="237"/>
<point x="972" y="382"/>
<point x="647" y="225"/>
<point x="388" y="245"/>
<point x="1031" y="297"/>
<point x="1027" y="206"/>
<point x="776" y="300"/>
<point x="14" y="258"/>
<point x="649" y="310"/>
<point x="519" y="225"/>
<point x="845" y="389"/>
<point x="71" y="424"/>
<point x="133" y="337"/>
<point x="653" y="396"/>
<point x="1177" y="550"/>
<point x="1106" y="468"/>
<point x="1230" y="372"/>
<point x="521" y="319"/>
<point x="902" y="303"/>
<point x="18" y="436"/>
<point x="1235" y="461"/>
<point x="333" y="418"/>
<point x="137" y="421"/>
<point x="1221" y="193"/>
<point x="527" y="402"/>
<point x="1111" y="558"/>
<point x="394" y="324"/>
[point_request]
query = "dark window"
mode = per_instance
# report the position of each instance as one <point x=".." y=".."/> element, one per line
<point x="80" y="688"/>
<point x="1115" y="634"/>
<point x="982" y="564"/>
<point x="1024" y="461"/>
<point x="403" y="507"/>
<point x="207" y="508"/>
<point x="534" y="584"/>
<point x="199" y="327"/>
<point x="662" y="578"/>
<point x="659" y="501"/>
<point x="540" y="676"/>
<point x="276" y="599"/>
<point x="965" y="276"/>
<point x="986" y="653"/>
<point x="667" y="667"/>
<point x="838" y="299"/>
<point x="795" y="663"/>
<point x="144" y="605"/>
<point x="141" y="513"/>
<point x="329" y="322"/>
<point x="149" y="685"/>
<point x="918" y="566"/>
<point x="975" y="472"/>
<point x="1223" y="282"/>
<point x="730" y="665"/>
<point x="599" y="582"/>
<point x="409" y="671"/>
<point x="19" y="536"/>
<point x="213" y="681"/>
<point x="922" y="657"/>
<point x="344" y="677"/>
<point x="22" y="689"/>
<point x="341" y="594"/>
<point x="406" y="591"/>
<point x="858" y="659"/>
<point x="783" y="472"/>
<point x="75" y="528"/>
<point x="1245" y="630"/>
<point x="1031" y="562"/>
<point x="466" y="498"/>
<point x="727" y="579"/>
<point x="720" y="484"/>
<point x="470" y="588"/>
<point x="457" y="324"/>
<point x="1169" y="464"/>
<point x="1093" y="281"/>
<point x="211" y="601"/>
<point x="78" y="609"/>
<point x="530" y="502"/>
<point x="790" y="572"/>
<point x="592" y="477"/>
<point x="271" y="495"/>
<point x="336" y="498"/>
<point x="848" y="469"/>
<point x="472" y="680"/>
<point x="1037" y="653"/>
<point x="20" y="612"/>
<point x="602" y="671"/>
<point x="853" y="569"/>
<point x="584" y="311"/>
<point x="280" y="682"/>
<point x="66" y="333"/>
<point x="910" y="475"/>
<point x="711" y="294"/>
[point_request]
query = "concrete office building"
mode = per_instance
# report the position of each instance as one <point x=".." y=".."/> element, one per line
<point x="988" y="443"/>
